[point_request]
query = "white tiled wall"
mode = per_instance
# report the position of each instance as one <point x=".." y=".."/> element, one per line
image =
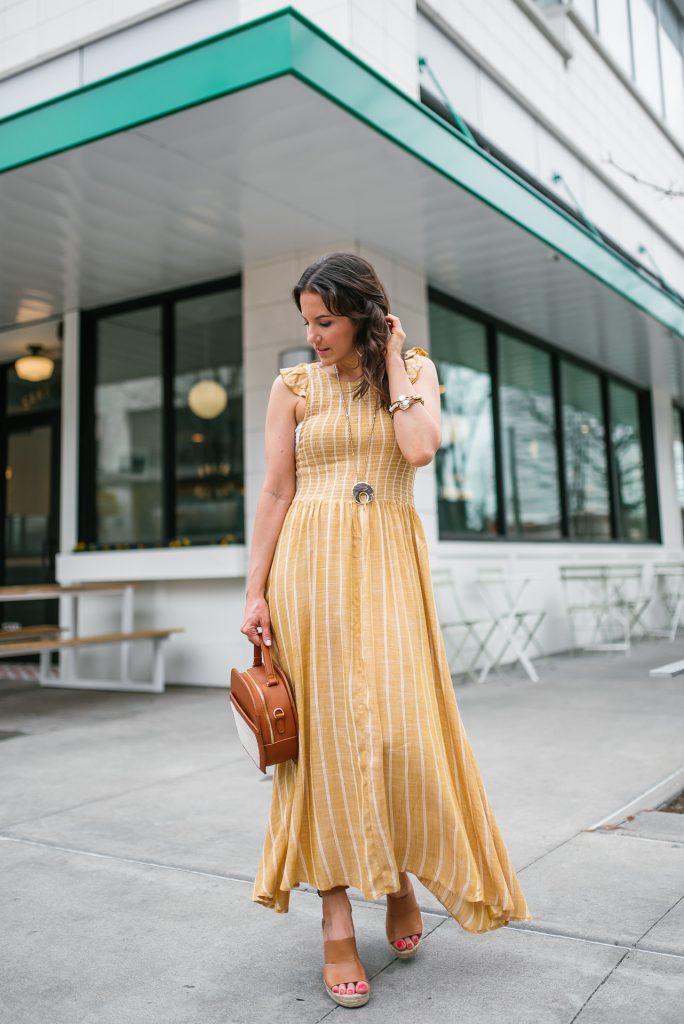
<point x="31" y="30"/>
<point x="507" y="78"/>
<point x="380" y="32"/>
<point x="34" y="33"/>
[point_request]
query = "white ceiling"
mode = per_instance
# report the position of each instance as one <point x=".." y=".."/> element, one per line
<point x="195" y="195"/>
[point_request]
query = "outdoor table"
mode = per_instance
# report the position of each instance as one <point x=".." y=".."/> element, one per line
<point x="501" y="594"/>
<point x="71" y="593"/>
<point x="607" y="586"/>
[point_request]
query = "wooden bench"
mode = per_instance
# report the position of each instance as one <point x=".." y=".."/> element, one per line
<point x="44" y="647"/>
<point x="675" y="668"/>
<point x="30" y="631"/>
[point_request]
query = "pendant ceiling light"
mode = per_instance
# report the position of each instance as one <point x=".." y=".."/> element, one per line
<point x="34" y="367"/>
<point x="207" y="399"/>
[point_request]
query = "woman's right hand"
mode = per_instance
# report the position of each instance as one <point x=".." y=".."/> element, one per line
<point x="257" y="614"/>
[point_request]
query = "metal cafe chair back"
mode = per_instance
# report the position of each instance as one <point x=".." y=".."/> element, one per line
<point x="465" y="636"/>
<point x="502" y="590"/>
<point x="605" y="604"/>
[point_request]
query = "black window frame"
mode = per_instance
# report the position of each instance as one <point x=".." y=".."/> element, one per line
<point x="166" y="300"/>
<point x="493" y="326"/>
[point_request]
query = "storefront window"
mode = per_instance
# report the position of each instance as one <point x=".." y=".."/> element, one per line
<point x="163" y="382"/>
<point x="528" y="438"/>
<point x="498" y="469"/>
<point x="128" y="427"/>
<point x="586" y="462"/>
<point x="466" y="491"/>
<point x="679" y="457"/>
<point x="26" y="396"/>
<point x="208" y="416"/>
<point x="629" y="462"/>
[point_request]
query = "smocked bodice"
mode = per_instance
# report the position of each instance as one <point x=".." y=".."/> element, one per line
<point x="325" y="466"/>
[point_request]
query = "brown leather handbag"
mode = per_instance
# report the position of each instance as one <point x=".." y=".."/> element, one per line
<point x="263" y="703"/>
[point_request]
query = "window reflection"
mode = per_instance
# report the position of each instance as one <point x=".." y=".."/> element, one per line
<point x="679" y="457"/>
<point x="645" y="45"/>
<point x="671" y="51"/>
<point x="587" y="10"/>
<point x="629" y="462"/>
<point x="613" y="27"/>
<point x="528" y="440"/>
<point x="586" y="463"/>
<point x="465" y="461"/>
<point x="128" y="427"/>
<point x="208" y="404"/>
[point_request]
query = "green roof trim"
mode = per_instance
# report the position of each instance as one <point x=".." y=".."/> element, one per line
<point x="286" y="43"/>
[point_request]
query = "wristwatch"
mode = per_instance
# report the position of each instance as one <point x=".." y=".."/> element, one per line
<point x="405" y="402"/>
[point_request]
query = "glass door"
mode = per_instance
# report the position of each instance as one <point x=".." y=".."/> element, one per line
<point x="30" y="514"/>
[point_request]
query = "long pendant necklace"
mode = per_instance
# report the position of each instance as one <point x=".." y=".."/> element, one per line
<point x="362" y="492"/>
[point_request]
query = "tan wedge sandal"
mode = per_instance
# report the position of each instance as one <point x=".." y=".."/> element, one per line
<point x="403" y="918"/>
<point x="342" y="963"/>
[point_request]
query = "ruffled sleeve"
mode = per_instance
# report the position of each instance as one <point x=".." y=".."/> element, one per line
<point x="413" y="363"/>
<point x="296" y="378"/>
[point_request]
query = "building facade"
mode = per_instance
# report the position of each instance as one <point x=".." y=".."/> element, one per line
<point x="514" y="170"/>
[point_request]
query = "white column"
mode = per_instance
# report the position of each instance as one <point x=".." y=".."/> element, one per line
<point x="68" y="503"/>
<point x="272" y="322"/>
<point x="407" y="288"/>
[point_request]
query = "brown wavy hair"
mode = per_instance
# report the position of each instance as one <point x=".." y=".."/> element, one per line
<point x="349" y="286"/>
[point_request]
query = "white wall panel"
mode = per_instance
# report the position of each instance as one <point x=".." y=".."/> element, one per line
<point x="157" y="36"/>
<point x="40" y="83"/>
<point x="527" y="92"/>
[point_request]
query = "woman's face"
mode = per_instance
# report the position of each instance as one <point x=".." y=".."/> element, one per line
<point x="331" y="336"/>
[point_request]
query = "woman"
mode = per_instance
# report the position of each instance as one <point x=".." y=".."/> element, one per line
<point x="339" y="583"/>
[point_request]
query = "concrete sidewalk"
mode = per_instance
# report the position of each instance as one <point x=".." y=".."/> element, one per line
<point x="131" y="826"/>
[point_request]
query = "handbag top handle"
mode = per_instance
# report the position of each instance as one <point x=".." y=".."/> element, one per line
<point x="261" y="650"/>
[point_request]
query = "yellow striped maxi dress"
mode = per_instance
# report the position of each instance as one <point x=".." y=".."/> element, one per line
<point x="386" y="780"/>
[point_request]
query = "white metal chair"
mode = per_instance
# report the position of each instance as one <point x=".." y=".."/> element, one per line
<point x="502" y="592"/>
<point x="458" y="628"/>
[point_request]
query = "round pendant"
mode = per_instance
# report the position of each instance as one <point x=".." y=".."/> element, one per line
<point x="363" y="492"/>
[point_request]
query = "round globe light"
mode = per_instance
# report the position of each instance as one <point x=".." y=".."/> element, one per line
<point x="207" y="399"/>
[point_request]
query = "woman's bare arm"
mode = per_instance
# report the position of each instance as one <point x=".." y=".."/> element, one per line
<point x="275" y="498"/>
<point x="418" y="429"/>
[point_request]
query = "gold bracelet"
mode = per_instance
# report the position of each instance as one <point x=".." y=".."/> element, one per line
<point x="405" y="402"/>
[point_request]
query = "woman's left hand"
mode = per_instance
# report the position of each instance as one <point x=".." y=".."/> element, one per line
<point x="395" y="342"/>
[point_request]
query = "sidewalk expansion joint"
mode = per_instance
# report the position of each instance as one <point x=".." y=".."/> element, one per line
<point x="122" y="792"/>
<point x="623" y="834"/>
<point x="600" y="984"/>
<point x="360" y="901"/>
